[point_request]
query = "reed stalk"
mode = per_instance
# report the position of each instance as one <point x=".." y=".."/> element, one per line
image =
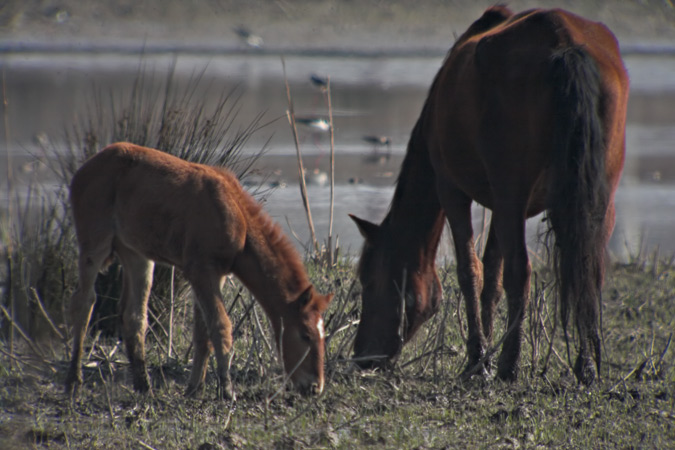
<point x="9" y="248"/>
<point x="290" y="113"/>
<point x="331" y="260"/>
<point x="171" y="310"/>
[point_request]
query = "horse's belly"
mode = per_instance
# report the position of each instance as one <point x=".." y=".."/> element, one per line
<point x="465" y="171"/>
<point x="154" y="238"/>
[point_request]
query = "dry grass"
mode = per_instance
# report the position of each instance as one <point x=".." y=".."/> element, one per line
<point x="419" y="404"/>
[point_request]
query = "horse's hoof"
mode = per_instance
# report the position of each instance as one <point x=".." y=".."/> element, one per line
<point x="584" y="370"/>
<point x="507" y="372"/>
<point x="193" y="391"/>
<point x="474" y="371"/>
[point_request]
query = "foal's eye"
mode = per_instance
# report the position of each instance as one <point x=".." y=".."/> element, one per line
<point x="305" y="337"/>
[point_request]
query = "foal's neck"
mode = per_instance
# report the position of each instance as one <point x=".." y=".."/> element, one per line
<point x="269" y="265"/>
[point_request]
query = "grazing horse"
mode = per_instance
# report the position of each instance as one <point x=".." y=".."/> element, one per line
<point x="143" y="205"/>
<point x="527" y="114"/>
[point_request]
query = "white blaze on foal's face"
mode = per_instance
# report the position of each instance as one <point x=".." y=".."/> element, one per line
<point x="319" y="327"/>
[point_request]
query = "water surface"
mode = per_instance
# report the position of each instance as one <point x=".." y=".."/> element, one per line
<point x="49" y="95"/>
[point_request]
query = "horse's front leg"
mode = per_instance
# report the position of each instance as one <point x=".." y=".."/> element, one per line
<point x="202" y="347"/>
<point x="219" y="328"/>
<point x="137" y="281"/>
<point x="470" y="276"/>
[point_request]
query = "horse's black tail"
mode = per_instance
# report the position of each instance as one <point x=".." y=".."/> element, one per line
<point x="579" y="198"/>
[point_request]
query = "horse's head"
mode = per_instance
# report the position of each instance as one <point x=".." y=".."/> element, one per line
<point x="399" y="294"/>
<point x="302" y="341"/>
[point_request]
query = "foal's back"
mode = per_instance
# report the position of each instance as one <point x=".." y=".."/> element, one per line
<point x="163" y="207"/>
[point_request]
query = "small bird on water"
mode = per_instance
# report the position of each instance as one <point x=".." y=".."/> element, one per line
<point x="378" y="141"/>
<point x="319" y="81"/>
<point x="252" y="40"/>
<point x="318" y="123"/>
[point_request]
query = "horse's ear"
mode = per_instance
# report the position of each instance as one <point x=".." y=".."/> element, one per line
<point x="367" y="229"/>
<point x="304" y="298"/>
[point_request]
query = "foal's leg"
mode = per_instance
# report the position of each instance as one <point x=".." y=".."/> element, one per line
<point x="509" y="223"/>
<point x="457" y="207"/>
<point x="81" y="306"/>
<point x="137" y="281"/>
<point x="202" y="347"/>
<point x="206" y="288"/>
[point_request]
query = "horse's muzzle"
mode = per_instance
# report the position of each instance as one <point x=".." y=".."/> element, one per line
<point x="312" y="389"/>
<point x="378" y="358"/>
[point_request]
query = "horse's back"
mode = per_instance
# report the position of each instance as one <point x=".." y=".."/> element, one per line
<point x="163" y="207"/>
<point x="492" y="106"/>
<point x="512" y="59"/>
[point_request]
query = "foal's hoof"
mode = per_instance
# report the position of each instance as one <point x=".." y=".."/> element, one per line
<point x="226" y="389"/>
<point x="227" y="393"/>
<point x="71" y="389"/>
<point x="72" y="385"/>
<point x="142" y="386"/>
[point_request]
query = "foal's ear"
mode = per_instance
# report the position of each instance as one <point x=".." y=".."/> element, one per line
<point x="367" y="229"/>
<point x="306" y="297"/>
<point x="326" y="301"/>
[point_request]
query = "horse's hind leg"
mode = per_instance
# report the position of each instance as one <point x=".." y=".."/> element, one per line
<point x="492" y="285"/>
<point x="206" y="288"/>
<point x="81" y="305"/>
<point x="509" y="224"/>
<point x="137" y="281"/>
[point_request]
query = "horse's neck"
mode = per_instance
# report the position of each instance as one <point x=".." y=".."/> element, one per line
<point x="415" y="218"/>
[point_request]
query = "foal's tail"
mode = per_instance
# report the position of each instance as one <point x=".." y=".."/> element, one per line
<point x="579" y="198"/>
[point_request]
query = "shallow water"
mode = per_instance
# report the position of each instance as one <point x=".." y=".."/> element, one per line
<point x="49" y="94"/>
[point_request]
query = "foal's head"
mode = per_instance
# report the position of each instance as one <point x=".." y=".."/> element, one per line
<point x="302" y="341"/>
<point x="399" y="294"/>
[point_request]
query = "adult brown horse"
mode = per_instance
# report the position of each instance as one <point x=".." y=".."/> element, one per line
<point x="527" y="114"/>
<point x="143" y="205"/>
